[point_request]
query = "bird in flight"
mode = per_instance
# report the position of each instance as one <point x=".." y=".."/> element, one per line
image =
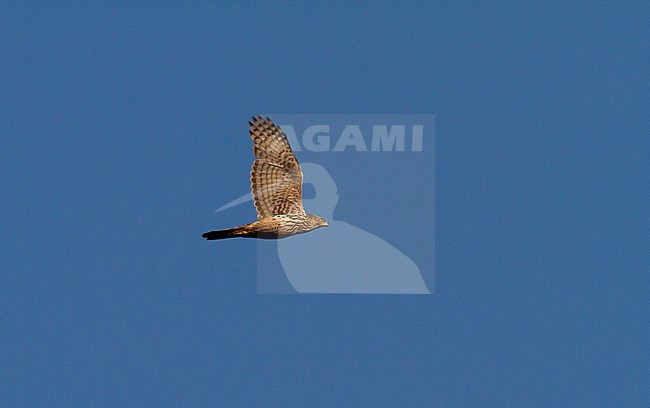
<point x="276" y="186"/>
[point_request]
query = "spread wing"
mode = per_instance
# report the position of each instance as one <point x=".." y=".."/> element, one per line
<point x="276" y="177"/>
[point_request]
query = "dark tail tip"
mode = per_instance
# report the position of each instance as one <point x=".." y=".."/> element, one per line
<point x="221" y="234"/>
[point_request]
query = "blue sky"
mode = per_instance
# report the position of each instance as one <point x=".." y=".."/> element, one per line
<point x="123" y="128"/>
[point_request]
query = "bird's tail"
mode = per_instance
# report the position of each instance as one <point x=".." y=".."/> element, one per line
<point x="223" y="234"/>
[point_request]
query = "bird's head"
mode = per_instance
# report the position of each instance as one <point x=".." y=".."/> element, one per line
<point x="317" y="221"/>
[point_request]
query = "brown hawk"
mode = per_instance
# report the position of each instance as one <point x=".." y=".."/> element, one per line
<point x="276" y="186"/>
